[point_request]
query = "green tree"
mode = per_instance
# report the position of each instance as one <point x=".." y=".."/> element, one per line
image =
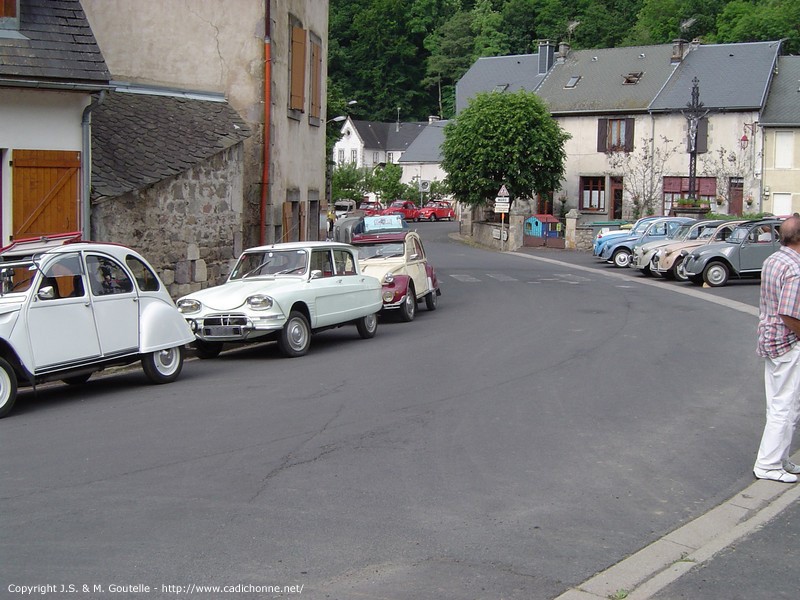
<point x="503" y="139"/>
<point x="489" y="40"/>
<point x="348" y="182"/>
<point x="385" y="182"/>
<point x="767" y="20"/>
<point x="451" y="55"/>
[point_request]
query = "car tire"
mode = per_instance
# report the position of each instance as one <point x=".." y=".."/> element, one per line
<point x="696" y="279"/>
<point x="716" y="274"/>
<point x="434" y="218"/>
<point x="647" y="272"/>
<point x="621" y="258"/>
<point x="206" y="350"/>
<point x="678" y="272"/>
<point x="78" y="379"/>
<point x="8" y="388"/>
<point x="164" y="366"/>
<point x="367" y="326"/>
<point x="431" y="300"/>
<point x="295" y="337"/>
<point x="408" y="309"/>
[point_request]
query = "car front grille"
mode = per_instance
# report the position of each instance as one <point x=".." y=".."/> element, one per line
<point x="224" y="320"/>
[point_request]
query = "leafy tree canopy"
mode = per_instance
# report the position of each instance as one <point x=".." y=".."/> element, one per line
<point x="503" y="139"/>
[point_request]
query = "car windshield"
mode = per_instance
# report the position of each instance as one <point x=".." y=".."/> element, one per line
<point x="432" y="205"/>
<point x="680" y="233"/>
<point x="16" y="277"/>
<point x="381" y="250"/>
<point x="707" y="233"/>
<point x="270" y="262"/>
<point x="398" y="204"/>
<point x="640" y="227"/>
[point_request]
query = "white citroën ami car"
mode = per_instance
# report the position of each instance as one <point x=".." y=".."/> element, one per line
<point x="284" y="292"/>
<point x="70" y="308"/>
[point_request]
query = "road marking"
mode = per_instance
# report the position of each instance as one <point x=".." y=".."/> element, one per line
<point x="501" y="277"/>
<point x="465" y="278"/>
<point x="740" y="306"/>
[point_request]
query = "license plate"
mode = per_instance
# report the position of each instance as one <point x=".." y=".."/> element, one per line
<point x="222" y="331"/>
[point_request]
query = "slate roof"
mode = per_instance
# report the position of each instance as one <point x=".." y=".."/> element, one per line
<point x="55" y="46"/>
<point x="426" y="148"/>
<point x="783" y="102"/>
<point x="732" y="77"/>
<point x="507" y="73"/>
<point x="388" y="136"/>
<point x="601" y="87"/>
<point x="139" y="139"/>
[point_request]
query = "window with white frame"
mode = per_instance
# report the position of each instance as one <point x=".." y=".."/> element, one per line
<point x="354" y="156"/>
<point x="784" y="149"/>
<point x="390" y="157"/>
<point x="340" y="156"/>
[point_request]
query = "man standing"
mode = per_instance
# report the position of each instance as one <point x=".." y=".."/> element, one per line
<point x="778" y="333"/>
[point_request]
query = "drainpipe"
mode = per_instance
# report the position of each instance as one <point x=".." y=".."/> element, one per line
<point x="267" y="124"/>
<point x="86" y="165"/>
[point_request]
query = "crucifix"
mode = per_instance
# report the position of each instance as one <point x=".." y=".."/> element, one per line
<point x="694" y="113"/>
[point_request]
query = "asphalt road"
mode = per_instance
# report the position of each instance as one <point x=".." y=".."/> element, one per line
<point x="544" y="423"/>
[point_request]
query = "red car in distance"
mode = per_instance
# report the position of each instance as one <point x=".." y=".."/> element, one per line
<point x="407" y="209"/>
<point x="371" y="208"/>
<point x="436" y="210"/>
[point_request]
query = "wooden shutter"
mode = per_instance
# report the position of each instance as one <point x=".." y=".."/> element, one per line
<point x="287" y="222"/>
<point x="46" y="192"/>
<point x="602" y="135"/>
<point x="629" y="129"/>
<point x="316" y="79"/>
<point x="298" y="69"/>
<point x="702" y="136"/>
<point x="302" y="227"/>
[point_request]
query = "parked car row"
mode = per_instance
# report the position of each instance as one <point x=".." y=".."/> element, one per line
<point x="434" y="210"/>
<point x="72" y="308"/>
<point x="705" y="251"/>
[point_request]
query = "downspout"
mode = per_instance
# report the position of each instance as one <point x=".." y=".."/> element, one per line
<point x="267" y="124"/>
<point x="86" y="165"/>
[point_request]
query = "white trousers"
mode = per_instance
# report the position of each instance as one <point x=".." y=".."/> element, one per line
<point x="782" y="387"/>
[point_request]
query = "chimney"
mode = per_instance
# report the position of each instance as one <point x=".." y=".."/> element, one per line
<point x="563" y="51"/>
<point x="547" y="52"/>
<point x="678" y="47"/>
<point x="432" y="119"/>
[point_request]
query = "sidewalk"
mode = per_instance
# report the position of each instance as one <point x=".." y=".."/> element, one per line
<point x="747" y="548"/>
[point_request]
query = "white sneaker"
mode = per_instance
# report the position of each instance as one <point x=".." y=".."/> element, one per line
<point x="775" y="475"/>
<point x="790" y="467"/>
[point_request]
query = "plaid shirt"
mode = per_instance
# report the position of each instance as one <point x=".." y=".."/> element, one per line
<point x="780" y="295"/>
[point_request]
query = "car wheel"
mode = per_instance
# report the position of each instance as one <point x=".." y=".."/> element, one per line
<point x="207" y="349"/>
<point x="163" y="366"/>
<point x="677" y="271"/>
<point x="431" y="300"/>
<point x="434" y="218"/>
<point x="716" y="274"/>
<point x="8" y="388"/>
<point x="295" y="336"/>
<point x="696" y="279"/>
<point x="78" y="379"/>
<point x="408" y="309"/>
<point x="647" y="272"/>
<point x="621" y="258"/>
<point x="367" y="326"/>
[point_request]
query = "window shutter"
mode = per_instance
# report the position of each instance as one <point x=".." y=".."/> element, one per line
<point x="602" y="135"/>
<point x="702" y="136"/>
<point x="316" y="79"/>
<point x="297" y="92"/>
<point x="629" y="128"/>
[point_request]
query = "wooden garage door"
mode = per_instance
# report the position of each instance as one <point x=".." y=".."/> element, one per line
<point x="46" y="192"/>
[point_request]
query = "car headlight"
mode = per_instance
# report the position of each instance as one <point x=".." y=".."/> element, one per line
<point x="388" y="278"/>
<point x="259" y="302"/>
<point x="188" y="306"/>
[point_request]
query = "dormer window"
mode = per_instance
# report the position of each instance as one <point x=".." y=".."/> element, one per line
<point x="573" y="81"/>
<point x="9" y="14"/>
<point x="632" y="78"/>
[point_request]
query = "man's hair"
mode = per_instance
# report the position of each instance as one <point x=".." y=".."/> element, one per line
<point x="790" y="231"/>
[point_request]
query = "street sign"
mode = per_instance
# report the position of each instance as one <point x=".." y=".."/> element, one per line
<point x="501" y="205"/>
<point x="503" y="193"/>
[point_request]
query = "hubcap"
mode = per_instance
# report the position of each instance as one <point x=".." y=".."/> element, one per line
<point x="167" y="361"/>
<point x="297" y="335"/>
<point x="5" y="387"/>
<point x="716" y="275"/>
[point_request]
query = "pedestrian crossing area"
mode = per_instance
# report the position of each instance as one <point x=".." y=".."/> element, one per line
<point x="565" y="278"/>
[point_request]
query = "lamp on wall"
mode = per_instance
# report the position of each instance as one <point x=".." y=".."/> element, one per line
<point x="751" y="127"/>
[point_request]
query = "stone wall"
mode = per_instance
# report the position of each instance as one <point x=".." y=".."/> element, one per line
<point x="489" y="234"/>
<point x="189" y="227"/>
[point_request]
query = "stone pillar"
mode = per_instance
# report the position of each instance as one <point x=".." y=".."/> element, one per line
<point x="569" y="235"/>
<point x="465" y="222"/>
<point x="515" y="220"/>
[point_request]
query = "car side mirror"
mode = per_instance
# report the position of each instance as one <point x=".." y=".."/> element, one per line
<point x="316" y="274"/>
<point x="47" y="293"/>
